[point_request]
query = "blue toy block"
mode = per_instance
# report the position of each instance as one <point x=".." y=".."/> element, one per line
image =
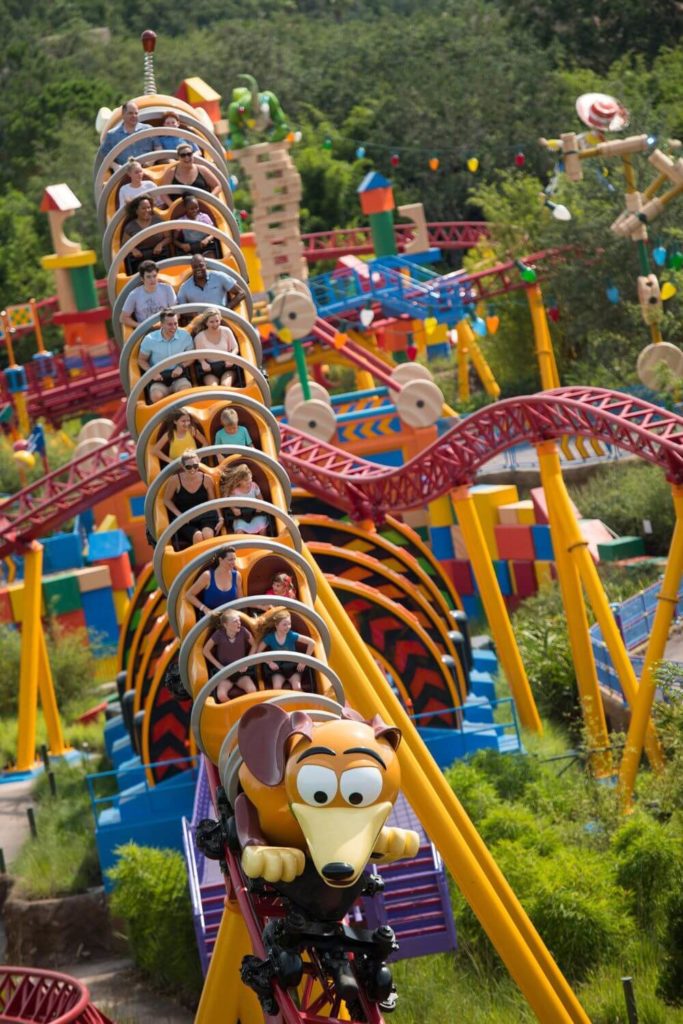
<point x="62" y="551"/>
<point x="441" y="541"/>
<point x="543" y="545"/>
<point x="440" y="350"/>
<point x="107" y="544"/>
<point x="445" y="745"/>
<point x="100" y="616"/>
<point x="121" y="750"/>
<point x="477" y="709"/>
<point x="482" y="685"/>
<point x="502" y="570"/>
<point x="485" y="661"/>
<point x="148" y="816"/>
<point x="472" y="606"/>
<point x="114" y="729"/>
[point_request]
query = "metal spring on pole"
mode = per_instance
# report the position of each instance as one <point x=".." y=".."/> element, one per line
<point x="150" y="82"/>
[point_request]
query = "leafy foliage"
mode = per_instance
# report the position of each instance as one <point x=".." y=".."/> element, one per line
<point x="71" y="659"/>
<point x="151" y="895"/>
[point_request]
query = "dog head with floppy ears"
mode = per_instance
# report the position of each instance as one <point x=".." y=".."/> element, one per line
<point x="326" y="787"/>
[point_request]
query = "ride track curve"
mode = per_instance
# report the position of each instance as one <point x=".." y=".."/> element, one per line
<point x="95" y="385"/>
<point x="364" y="489"/>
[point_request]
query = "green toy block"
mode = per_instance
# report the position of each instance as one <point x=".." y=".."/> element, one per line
<point x="61" y="593"/>
<point x="621" y="547"/>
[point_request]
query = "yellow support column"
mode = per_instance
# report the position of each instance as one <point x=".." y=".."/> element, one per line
<point x="462" y="353"/>
<point x="364" y="380"/>
<point x="48" y="702"/>
<point x="495" y="609"/>
<point x="463" y="850"/>
<point x="29" y="672"/>
<point x="578" y="630"/>
<point x="666" y="608"/>
<point x="224" y="997"/>
<point x="467" y="339"/>
<point x="577" y="547"/>
<point x="545" y="355"/>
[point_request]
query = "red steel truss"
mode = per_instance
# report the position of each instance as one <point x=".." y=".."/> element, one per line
<point x="32" y="994"/>
<point x="367" y="490"/>
<point x="330" y="245"/>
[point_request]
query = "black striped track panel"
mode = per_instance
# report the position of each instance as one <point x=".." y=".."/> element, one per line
<point x="385" y="627"/>
<point x="166" y="725"/>
<point x="144" y="586"/>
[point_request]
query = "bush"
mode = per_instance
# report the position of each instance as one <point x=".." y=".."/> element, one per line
<point x="151" y="895"/>
<point x="518" y="825"/>
<point x="543" y="642"/>
<point x="622" y="495"/>
<point x="578" y="911"/>
<point x="72" y="661"/>
<point x="472" y="789"/>
<point x="670" y="986"/>
<point x="510" y="775"/>
<point x="649" y="862"/>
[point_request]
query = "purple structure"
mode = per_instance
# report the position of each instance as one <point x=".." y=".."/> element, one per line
<point x="415" y="901"/>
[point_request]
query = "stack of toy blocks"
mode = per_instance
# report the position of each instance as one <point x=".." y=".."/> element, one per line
<point x="434" y="342"/>
<point x="276" y="187"/>
<point x="75" y="595"/>
<point x="109" y="550"/>
<point x="517" y="540"/>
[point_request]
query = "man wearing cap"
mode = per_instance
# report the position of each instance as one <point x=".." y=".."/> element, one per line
<point x="170" y="340"/>
<point x="128" y="127"/>
<point x="212" y="287"/>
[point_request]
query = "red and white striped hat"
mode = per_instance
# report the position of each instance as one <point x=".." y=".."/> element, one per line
<point x="597" y="110"/>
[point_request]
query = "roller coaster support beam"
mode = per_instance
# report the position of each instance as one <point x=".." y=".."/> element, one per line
<point x="34" y="673"/>
<point x="580" y="640"/>
<point x="224" y="997"/>
<point x="470" y="348"/>
<point x="666" y="609"/>
<point x="545" y="355"/>
<point x="577" y="548"/>
<point x="464" y="852"/>
<point x="495" y="609"/>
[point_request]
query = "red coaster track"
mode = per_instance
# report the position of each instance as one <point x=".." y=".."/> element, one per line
<point x="365" y="489"/>
<point x="33" y="994"/>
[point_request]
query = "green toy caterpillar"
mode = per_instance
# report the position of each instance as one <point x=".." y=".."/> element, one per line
<point x="254" y="111"/>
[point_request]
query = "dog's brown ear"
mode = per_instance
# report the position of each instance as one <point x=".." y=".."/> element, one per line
<point x="262" y="739"/>
<point x="351" y="715"/>
<point x="390" y="733"/>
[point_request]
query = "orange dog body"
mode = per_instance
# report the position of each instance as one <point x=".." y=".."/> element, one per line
<point x="321" y="790"/>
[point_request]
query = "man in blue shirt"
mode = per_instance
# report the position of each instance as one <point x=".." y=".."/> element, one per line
<point x="213" y="287"/>
<point x="128" y="127"/>
<point x="170" y="340"/>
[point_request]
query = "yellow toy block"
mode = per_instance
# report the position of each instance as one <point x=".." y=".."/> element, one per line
<point x="94" y="577"/>
<point x="487" y="500"/>
<point x="441" y="512"/>
<point x="543" y="572"/>
<point x="121" y="604"/>
<point x="16" y="596"/>
<point x="517" y="513"/>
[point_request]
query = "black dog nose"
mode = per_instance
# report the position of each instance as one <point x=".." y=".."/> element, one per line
<point x="337" y="871"/>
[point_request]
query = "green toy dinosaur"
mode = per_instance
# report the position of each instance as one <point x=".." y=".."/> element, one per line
<point x="254" y="111"/>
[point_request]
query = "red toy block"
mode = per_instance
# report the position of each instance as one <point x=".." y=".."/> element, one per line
<point x="71" y="621"/>
<point x="460" y="572"/>
<point x="514" y="542"/>
<point x="120" y="570"/>
<point x="524" y="577"/>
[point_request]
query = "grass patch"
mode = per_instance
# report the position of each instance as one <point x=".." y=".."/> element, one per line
<point x="63" y="859"/>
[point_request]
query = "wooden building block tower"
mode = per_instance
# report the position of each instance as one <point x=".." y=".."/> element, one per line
<point x="276" y="190"/>
<point x="82" y="319"/>
<point x="377" y="202"/>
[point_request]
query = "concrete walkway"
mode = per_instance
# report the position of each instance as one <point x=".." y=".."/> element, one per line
<point x="15" y="797"/>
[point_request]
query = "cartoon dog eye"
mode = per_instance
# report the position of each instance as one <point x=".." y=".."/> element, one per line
<point x="361" y="786"/>
<point x="316" y="785"/>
